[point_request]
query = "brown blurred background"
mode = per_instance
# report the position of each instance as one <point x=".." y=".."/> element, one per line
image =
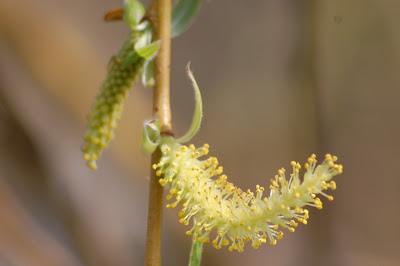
<point x="280" y="80"/>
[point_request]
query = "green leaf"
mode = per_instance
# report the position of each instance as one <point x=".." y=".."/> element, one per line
<point x="148" y="51"/>
<point x="148" y="73"/>
<point x="134" y="11"/>
<point x="150" y="136"/>
<point x="183" y="15"/>
<point x="198" y="111"/>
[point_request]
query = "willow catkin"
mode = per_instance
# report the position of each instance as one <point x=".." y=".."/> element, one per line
<point x="106" y="111"/>
<point x="236" y="215"/>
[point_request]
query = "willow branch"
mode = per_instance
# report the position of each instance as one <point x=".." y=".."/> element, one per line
<point x="160" y="16"/>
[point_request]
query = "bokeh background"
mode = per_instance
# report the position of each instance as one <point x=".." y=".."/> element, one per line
<point x="280" y="79"/>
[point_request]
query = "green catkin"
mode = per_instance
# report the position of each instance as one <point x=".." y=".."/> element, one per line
<point x="240" y="216"/>
<point x="106" y="111"/>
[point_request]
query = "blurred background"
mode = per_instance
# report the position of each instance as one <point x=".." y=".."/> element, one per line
<point x="280" y="80"/>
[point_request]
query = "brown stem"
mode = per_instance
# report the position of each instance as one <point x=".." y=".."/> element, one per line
<point x="160" y="17"/>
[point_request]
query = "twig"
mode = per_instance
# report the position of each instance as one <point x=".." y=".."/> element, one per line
<point x="160" y="16"/>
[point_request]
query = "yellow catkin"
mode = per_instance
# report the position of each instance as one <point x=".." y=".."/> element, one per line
<point x="240" y="216"/>
<point x="106" y="111"/>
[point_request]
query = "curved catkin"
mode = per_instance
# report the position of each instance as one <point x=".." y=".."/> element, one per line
<point x="109" y="103"/>
<point x="240" y="216"/>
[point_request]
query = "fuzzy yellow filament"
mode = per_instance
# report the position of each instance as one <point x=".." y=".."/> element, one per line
<point x="240" y="216"/>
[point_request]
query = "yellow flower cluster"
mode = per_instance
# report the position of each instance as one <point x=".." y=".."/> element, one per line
<point x="240" y="216"/>
<point x="109" y="103"/>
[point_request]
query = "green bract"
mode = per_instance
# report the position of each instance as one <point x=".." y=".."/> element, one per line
<point x="134" y="12"/>
<point x="198" y="111"/>
<point x="142" y="48"/>
<point x="148" y="73"/>
<point x="148" y="51"/>
<point x="150" y="136"/>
